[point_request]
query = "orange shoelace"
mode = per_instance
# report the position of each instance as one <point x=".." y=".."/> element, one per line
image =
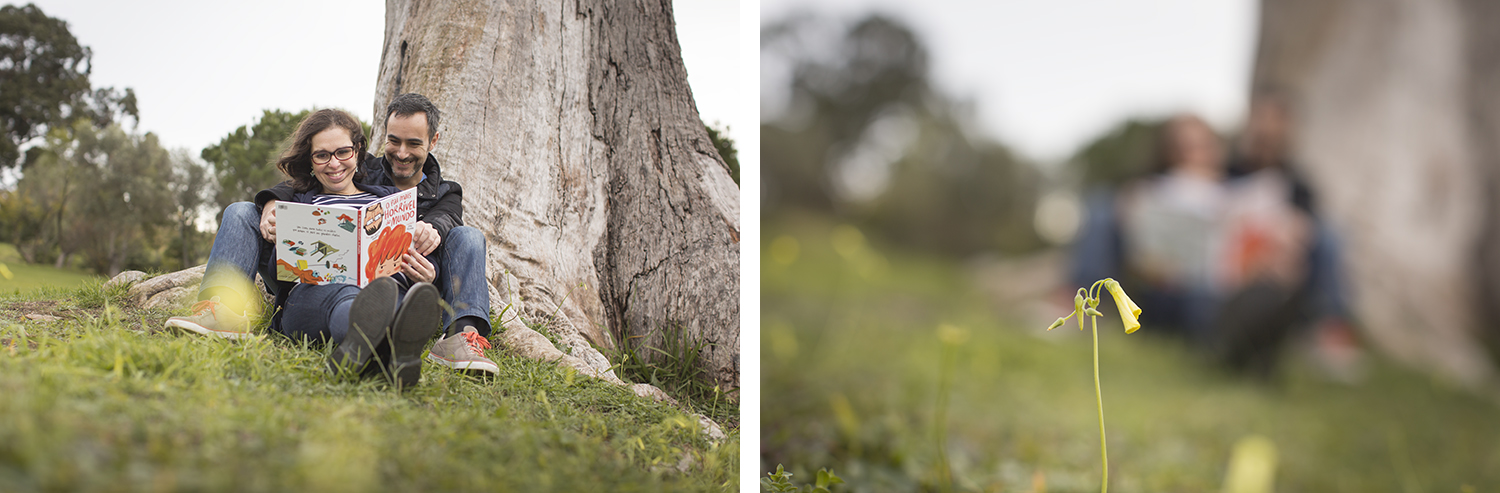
<point x="477" y="342"/>
<point x="202" y="306"/>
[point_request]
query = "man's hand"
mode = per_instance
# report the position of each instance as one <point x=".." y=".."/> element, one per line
<point x="268" y="222"/>
<point x="423" y="237"/>
<point x="416" y="267"/>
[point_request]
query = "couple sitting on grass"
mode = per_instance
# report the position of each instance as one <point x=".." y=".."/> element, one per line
<point x="380" y="329"/>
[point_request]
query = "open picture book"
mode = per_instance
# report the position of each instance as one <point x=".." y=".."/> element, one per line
<point x="321" y="244"/>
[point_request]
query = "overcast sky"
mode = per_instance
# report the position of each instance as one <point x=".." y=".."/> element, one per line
<point x="203" y="68"/>
<point x="1048" y="76"/>
<point x="1045" y="76"/>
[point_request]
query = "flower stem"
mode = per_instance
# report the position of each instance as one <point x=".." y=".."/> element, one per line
<point x="1099" y="396"/>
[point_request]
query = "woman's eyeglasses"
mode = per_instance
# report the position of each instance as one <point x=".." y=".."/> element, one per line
<point x="342" y="153"/>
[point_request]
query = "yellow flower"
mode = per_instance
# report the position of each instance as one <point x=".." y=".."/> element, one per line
<point x="1128" y="310"/>
<point x="1084" y="304"/>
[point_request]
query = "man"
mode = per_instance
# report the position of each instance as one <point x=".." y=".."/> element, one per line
<point x="1297" y="283"/>
<point x="457" y="250"/>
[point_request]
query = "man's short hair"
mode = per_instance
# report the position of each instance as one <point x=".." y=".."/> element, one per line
<point x="412" y="103"/>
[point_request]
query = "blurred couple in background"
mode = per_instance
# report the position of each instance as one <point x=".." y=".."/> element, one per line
<point x="1223" y="245"/>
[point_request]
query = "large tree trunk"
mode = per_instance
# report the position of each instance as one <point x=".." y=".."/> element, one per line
<point x="571" y="126"/>
<point x="1386" y="129"/>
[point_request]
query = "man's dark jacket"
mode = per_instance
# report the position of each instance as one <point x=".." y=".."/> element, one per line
<point x="439" y="202"/>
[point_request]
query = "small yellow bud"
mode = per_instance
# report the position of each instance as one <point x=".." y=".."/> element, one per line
<point x="1059" y="322"/>
<point x="1078" y="301"/>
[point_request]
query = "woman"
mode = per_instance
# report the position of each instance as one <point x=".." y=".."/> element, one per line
<point x="391" y="318"/>
<point x="1171" y="229"/>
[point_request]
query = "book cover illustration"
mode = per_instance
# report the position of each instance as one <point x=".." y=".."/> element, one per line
<point x="330" y="244"/>
<point x="386" y="235"/>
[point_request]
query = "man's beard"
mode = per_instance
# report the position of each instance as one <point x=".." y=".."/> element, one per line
<point x="410" y="162"/>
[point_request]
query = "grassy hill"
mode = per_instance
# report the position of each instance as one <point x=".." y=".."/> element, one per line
<point x="894" y="372"/>
<point x="99" y="400"/>
<point x="27" y="277"/>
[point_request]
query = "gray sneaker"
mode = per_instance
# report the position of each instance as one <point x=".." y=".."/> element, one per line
<point x="211" y="318"/>
<point x="463" y="351"/>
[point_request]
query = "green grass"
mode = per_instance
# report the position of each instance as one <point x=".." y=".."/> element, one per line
<point x="676" y="369"/>
<point x="29" y="277"/>
<point x="94" y="403"/>
<point x="852" y="360"/>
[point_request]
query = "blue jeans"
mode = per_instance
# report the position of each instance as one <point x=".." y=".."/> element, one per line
<point x="461" y="278"/>
<point x="1097" y="252"/>
<point x="320" y="312"/>
<point x="1325" y="273"/>
<point x="240" y="251"/>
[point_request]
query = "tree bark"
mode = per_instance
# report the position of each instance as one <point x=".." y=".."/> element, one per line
<point x="571" y="126"/>
<point x="1385" y="129"/>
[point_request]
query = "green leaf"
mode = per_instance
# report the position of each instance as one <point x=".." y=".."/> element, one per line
<point x="826" y="478"/>
<point x="779" y="482"/>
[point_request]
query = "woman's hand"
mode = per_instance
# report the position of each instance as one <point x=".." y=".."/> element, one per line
<point x="416" y="267"/>
<point x="268" y="222"/>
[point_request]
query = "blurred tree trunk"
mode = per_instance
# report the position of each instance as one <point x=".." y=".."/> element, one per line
<point x="1389" y="135"/>
<point x="571" y="126"/>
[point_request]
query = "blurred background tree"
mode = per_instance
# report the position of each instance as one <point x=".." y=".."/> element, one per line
<point x="242" y="161"/>
<point x="191" y="187"/>
<point x="1127" y="151"/>
<point x="45" y="74"/>
<point x="87" y="192"/>
<point x="865" y="138"/>
<point x="106" y="194"/>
